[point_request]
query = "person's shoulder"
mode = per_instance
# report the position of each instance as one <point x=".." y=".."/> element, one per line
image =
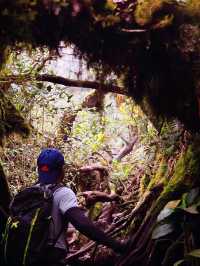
<point x="63" y="190"/>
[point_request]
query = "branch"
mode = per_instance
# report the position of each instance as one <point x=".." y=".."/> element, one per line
<point x="81" y="83"/>
<point x="105" y="88"/>
<point x="91" y="197"/>
<point x="126" y="149"/>
<point x="93" y="167"/>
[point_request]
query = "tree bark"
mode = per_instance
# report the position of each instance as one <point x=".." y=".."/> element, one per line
<point x="5" y="199"/>
<point x="5" y="196"/>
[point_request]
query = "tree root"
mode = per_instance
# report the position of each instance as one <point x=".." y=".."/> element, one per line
<point x="124" y="222"/>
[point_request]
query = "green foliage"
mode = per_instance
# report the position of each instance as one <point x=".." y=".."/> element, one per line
<point x="182" y="218"/>
<point x="144" y="182"/>
<point x="148" y="9"/>
<point x="88" y="129"/>
<point x="121" y="171"/>
<point x="162" y="230"/>
<point x="95" y="210"/>
<point x="184" y="175"/>
<point x="160" y="175"/>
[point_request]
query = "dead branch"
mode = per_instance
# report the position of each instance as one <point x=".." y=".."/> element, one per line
<point x="93" y="167"/>
<point x="91" y="197"/>
<point x="126" y="149"/>
<point x="77" y="254"/>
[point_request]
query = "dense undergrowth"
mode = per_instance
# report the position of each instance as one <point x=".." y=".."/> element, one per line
<point x="163" y="165"/>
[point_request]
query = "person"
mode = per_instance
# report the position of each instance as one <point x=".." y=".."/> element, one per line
<point x="65" y="209"/>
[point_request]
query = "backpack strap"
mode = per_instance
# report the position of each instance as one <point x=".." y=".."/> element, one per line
<point x="49" y="189"/>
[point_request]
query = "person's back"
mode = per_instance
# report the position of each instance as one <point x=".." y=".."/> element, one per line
<point x="64" y="210"/>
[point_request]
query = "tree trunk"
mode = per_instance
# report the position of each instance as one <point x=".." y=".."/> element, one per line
<point x="5" y="198"/>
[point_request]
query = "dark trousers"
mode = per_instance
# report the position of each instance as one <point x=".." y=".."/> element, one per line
<point x="52" y="257"/>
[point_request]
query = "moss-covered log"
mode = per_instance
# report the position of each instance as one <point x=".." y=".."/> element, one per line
<point x="176" y="179"/>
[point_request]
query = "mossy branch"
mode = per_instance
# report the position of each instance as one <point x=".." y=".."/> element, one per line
<point x="105" y="88"/>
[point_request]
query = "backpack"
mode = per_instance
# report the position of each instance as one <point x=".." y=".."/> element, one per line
<point x="27" y="229"/>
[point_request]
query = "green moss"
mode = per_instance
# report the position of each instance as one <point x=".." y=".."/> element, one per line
<point x="166" y="129"/>
<point x="160" y="174"/>
<point x="10" y="119"/>
<point x="186" y="165"/>
<point x="146" y="9"/>
<point x="95" y="210"/>
<point x="144" y="182"/>
<point x="169" y="151"/>
<point x="185" y="175"/>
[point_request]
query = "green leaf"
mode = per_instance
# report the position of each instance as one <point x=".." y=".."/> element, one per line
<point x="166" y="212"/>
<point x="194" y="253"/>
<point x="191" y="209"/>
<point x="173" y="204"/>
<point x="179" y="262"/>
<point x="162" y="230"/>
<point x="184" y="201"/>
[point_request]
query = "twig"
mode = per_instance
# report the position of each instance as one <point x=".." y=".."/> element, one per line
<point x="37" y="67"/>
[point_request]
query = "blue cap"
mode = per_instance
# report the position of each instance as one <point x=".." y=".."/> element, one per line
<point x="50" y="163"/>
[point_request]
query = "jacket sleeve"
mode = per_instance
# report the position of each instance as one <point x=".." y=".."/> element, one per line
<point x="84" y="225"/>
